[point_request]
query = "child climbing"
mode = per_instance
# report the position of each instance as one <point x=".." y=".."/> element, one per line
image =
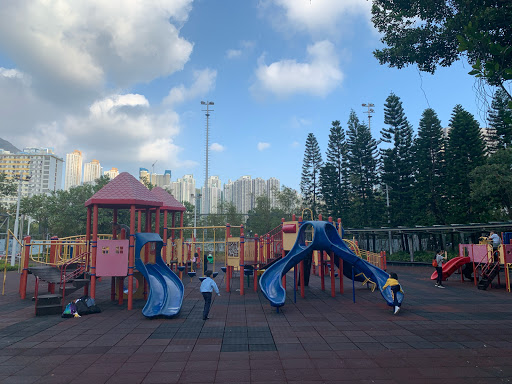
<point x="395" y="286"/>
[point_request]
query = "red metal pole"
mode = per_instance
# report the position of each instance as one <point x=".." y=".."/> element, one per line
<point x="242" y="259"/>
<point x="131" y="257"/>
<point x="24" y="272"/>
<point x="157" y="221"/>
<point x="139" y="221"/>
<point x="94" y="249"/>
<point x="283" y="280"/>
<point x="165" y="237"/>
<point x="228" y="268"/>
<point x="256" y="259"/>
<point x="113" y="279"/>
<point x="333" y="279"/>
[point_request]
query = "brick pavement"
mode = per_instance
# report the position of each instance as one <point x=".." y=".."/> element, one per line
<point x="456" y="335"/>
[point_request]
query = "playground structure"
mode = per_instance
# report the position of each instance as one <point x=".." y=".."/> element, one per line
<point x="139" y="258"/>
<point x="480" y="263"/>
<point x="325" y="238"/>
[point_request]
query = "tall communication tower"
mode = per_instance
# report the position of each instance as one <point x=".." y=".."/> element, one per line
<point x="207" y="165"/>
<point x="369" y="112"/>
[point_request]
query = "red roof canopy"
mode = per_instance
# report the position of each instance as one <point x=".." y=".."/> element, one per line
<point x="123" y="192"/>
<point x="168" y="200"/>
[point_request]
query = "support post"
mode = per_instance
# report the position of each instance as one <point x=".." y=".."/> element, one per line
<point x="94" y="249"/>
<point x="333" y="279"/>
<point x="131" y="257"/>
<point x="24" y="272"/>
<point x="242" y="259"/>
<point x="321" y="269"/>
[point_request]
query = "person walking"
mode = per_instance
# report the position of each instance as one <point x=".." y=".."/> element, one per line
<point x="207" y="286"/>
<point x="439" y="260"/>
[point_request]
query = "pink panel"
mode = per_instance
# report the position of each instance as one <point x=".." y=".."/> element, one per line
<point x="112" y="258"/>
<point x="465" y="250"/>
<point x="508" y="253"/>
<point x="479" y="253"/>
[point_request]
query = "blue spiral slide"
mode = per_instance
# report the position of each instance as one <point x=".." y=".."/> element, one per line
<point x="165" y="288"/>
<point x="325" y="238"/>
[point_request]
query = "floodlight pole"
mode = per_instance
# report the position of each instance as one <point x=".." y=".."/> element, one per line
<point x="207" y="114"/>
<point x="369" y="112"/>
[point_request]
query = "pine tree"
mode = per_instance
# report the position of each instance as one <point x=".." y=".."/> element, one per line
<point x="500" y="121"/>
<point x="397" y="161"/>
<point x="310" y="178"/>
<point x="430" y="170"/>
<point x="362" y="171"/>
<point x="334" y="179"/>
<point x="464" y="152"/>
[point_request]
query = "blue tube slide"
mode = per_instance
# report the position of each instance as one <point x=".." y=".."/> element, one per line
<point x="165" y="288"/>
<point x="325" y="238"/>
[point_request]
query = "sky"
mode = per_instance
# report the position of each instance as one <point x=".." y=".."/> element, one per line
<point x="123" y="81"/>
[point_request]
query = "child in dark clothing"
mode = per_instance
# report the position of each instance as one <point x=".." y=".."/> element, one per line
<point x="395" y="286"/>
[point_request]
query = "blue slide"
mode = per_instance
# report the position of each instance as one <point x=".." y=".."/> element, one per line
<point x="325" y="238"/>
<point x="165" y="288"/>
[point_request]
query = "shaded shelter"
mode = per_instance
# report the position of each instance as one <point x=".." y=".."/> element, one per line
<point x="123" y="192"/>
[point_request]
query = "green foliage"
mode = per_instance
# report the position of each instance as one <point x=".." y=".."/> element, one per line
<point x="263" y="218"/>
<point x="464" y="152"/>
<point x="397" y="161"/>
<point x="362" y="172"/>
<point x="491" y="187"/>
<point x="433" y="33"/>
<point x="419" y="256"/>
<point x="288" y="201"/>
<point x="334" y="181"/>
<point x="310" y="178"/>
<point x="63" y="213"/>
<point x="7" y="187"/>
<point x="430" y="166"/>
<point x="500" y="120"/>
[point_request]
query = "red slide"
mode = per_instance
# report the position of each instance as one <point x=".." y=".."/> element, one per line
<point x="451" y="266"/>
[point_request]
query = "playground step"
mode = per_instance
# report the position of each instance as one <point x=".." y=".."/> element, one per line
<point x="50" y="309"/>
<point x="79" y="283"/>
<point x="46" y="273"/>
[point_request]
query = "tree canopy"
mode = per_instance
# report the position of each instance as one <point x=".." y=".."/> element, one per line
<point x="432" y="33"/>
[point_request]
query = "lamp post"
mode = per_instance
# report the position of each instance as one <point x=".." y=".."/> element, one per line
<point x="207" y="114"/>
<point x="20" y="179"/>
<point x="369" y="112"/>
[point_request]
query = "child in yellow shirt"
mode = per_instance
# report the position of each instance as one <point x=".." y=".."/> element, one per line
<point x="395" y="286"/>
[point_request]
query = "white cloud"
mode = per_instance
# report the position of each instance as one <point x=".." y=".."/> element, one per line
<point x="295" y="144"/>
<point x="233" y="53"/>
<point x="316" y="17"/>
<point x="246" y="46"/>
<point x="262" y="146"/>
<point x="216" y="147"/>
<point x="73" y="49"/>
<point x="319" y="76"/>
<point x="204" y="81"/>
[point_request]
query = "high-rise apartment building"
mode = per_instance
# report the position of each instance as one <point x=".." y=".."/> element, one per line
<point x="259" y="188"/>
<point x="92" y="171"/>
<point x="73" y="175"/>
<point x="214" y="196"/>
<point x="184" y="189"/>
<point x="155" y="179"/>
<point x="112" y="174"/>
<point x="273" y="186"/>
<point x="41" y="165"/>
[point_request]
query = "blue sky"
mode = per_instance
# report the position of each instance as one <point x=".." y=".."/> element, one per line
<point x="122" y="81"/>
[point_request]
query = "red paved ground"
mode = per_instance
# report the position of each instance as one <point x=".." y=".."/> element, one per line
<point x="455" y="335"/>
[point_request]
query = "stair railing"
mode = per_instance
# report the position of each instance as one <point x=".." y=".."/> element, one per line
<point x="82" y="260"/>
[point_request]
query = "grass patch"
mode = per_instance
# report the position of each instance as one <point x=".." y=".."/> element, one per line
<point x="9" y="266"/>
